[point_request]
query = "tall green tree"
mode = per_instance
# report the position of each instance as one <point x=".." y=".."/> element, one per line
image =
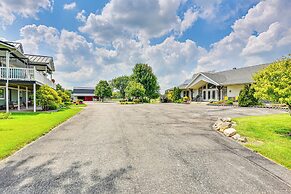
<point x="246" y="97"/>
<point x="120" y="83"/>
<point x="176" y="94"/>
<point x="103" y="90"/>
<point x="143" y="73"/>
<point x="134" y="90"/>
<point x="274" y="82"/>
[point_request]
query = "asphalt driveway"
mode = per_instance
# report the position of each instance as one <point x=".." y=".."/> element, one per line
<point x="164" y="148"/>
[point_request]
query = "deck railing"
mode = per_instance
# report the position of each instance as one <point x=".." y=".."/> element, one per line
<point x="25" y="74"/>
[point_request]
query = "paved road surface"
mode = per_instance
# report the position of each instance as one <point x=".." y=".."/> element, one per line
<point x="167" y="148"/>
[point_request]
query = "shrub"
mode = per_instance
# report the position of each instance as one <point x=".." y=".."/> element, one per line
<point x="246" y="97"/>
<point x="5" y="115"/>
<point x="53" y="106"/>
<point x="48" y="98"/>
<point x="136" y="101"/>
<point x="186" y="99"/>
<point x="229" y="102"/>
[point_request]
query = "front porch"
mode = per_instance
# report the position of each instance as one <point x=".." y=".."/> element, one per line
<point x="18" y="96"/>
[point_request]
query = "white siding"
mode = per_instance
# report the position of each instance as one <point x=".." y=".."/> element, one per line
<point x="234" y="90"/>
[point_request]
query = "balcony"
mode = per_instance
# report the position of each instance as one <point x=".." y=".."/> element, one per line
<point x="25" y="74"/>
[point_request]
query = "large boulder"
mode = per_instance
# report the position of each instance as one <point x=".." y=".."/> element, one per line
<point x="229" y="132"/>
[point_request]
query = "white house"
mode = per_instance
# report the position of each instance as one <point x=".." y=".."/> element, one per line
<point x="21" y="75"/>
<point x="215" y="86"/>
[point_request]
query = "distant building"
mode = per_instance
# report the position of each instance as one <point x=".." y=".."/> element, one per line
<point x="84" y="93"/>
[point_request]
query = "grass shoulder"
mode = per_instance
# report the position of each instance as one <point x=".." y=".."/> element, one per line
<point x="24" y="127"/>
<point x="268" y="135"/>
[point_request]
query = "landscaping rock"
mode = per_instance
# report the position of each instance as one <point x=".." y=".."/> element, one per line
<point x="242" y="139"/>
<point x="223" y="126"/>
<point x="236" y="136"/>
<point x="229" y="132"/>
<point x="226" y="119"/>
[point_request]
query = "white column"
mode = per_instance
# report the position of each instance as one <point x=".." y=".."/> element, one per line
<point x="26" y="98"/>
<point x="7" y="80"/>
<point x="190" y="95"/>
<point x="18" y="97"/>
<point x="34" y="97"/>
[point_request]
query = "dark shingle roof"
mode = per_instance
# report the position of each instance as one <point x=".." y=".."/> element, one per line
<point x="84" y="90"/>
<point x="236" y="76"/>
<point x="242" y="75"/>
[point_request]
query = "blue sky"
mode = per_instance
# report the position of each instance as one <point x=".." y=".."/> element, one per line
<point x="93" y="40"/>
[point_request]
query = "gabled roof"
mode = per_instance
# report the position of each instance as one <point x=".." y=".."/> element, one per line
<point x="17" y="45"/>
<point x="41" y="60"/>
<point x="242" y="75"/>
<point x="11" y="46"/>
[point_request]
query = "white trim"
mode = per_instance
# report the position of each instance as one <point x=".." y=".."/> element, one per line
<point x="208" y="81"/>
<point x="83" y="95"/>
<point x="18" y="97"/>
<point x="34" y="97"/>
<point x="26" y="97"/>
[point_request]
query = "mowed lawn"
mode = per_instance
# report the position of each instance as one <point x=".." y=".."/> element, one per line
<point x="23" y="128"/>
<point x="268" y="135"/>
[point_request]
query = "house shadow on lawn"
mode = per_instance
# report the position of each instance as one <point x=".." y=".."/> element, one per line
<point x="41" y="179"/>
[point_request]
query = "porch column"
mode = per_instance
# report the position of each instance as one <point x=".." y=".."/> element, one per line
<point x="190" y="95"/>
<point x="26" y="97"/>
<point x="18" y="97"/>
<point x="7" y="80"/>
<point x="34" y="97"/>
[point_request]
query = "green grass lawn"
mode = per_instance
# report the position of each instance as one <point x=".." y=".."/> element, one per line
<point x="268" y="136"/>
<point x="24" y="127"/>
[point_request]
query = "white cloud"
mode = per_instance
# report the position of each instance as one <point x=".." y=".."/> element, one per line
<point x="144" y="19"/>
<point x="79" y="62"/>
<point x="10" y="10"/>
<point x="81" y="16"/>
<point x="190" y="16"/>
<point x="263" y="35"/>
<point x="70" y="6"/>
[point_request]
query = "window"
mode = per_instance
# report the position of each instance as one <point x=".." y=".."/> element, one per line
<point x="213" y="94"/>
<point x="211" y="86"/>
<point x="204" y="95"/>
<point x="209" y="94"/>
<point x="2" y="93"/>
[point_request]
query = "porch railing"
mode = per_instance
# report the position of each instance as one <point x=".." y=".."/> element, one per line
<point x="25" y="74"/>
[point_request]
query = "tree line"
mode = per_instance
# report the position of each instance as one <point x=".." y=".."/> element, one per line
<point x="141" y="84"/>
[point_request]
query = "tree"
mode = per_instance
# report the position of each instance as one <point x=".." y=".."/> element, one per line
<point x="48" y="98"/>
<point x="246" y="97"/>
<point x="134" y="90"/>
<point x="143" y="74"/>
<point x="103" y="90"/>
<point x="274" y="82"/>
<point x="176" y="94"/>
<point x="120" y="83"/>
<point x="59" y="87"/>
